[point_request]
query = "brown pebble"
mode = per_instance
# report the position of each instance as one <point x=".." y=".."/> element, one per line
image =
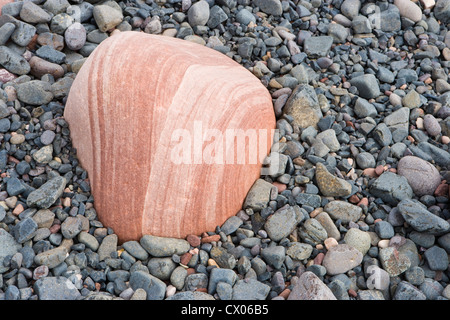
<point x="212" y="238"/>
<point x="193" y="240"/>
<point x="285" y="293"/>
<point x="319" y="258"/>
<point x="185" y="258"/>
<point x="441" y="190"/>
<point x="352" y="293"/>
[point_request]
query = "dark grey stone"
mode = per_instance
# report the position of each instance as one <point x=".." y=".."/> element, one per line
<point x="56" y="288"/>
<point x="154" y="287"/>
<point x="437" y="258"/>
<point x="47" y="194"/>
<point x="391" y="188"/>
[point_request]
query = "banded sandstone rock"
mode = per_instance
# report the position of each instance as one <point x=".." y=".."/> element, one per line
<point x="144" y="181"/>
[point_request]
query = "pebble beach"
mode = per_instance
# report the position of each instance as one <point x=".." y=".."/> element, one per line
<point x="356" y="210"/>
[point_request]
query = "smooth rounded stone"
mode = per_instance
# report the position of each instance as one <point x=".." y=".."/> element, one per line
<point x="358" y="239"/>
<point x="299" y="251"/>
<point x="198" y="69"/>
<point x="13" y="62"/>
<point x="178" y="277"/>
<point x="384" y="230"/>
<point x="377" y="278"/>
<point x="107" y="246"/>
<point x="245" y="17"/>
<point x="135" y="249"/>
<point x="258" y="196"/>
<point x="280" y="224"/>
<point x="367" y="86"/>
<point x="6" y="30"/>
<point x="161" y="268"/>
<point x="231" y="225"/>
<point x="310" y="287"/>
<point x="393" y="261"/>
<point x="32" y="13"/>
<point x="47" y="137"/>
<point x="415" y="275"/>
<point x="164" y="247"/>
<point x="272" y="7"/>
<point x="154" y="287"/>
<point x="365" y="160"/>
<point x="221" y="275"/>
<point x="431" y="125"/>
<point x="56" y="288"/>
<point x="442" y="11"/>
<point x="330" y="185"/>
<point x="107" y="17"/>
<point x="198" y="14"/>
<point x="409" y="9"/>
<point x="350" y="8"/>
<point x="343" y="210"/>
<point x="49" y="53"/>
<point x="411" y="100"/>
<point x="75" y="36"/>
<point x="406" y="291"/>
<point x="17" y="139"/>
<point x="444" y="242"/>
<point x="437" y="258"/>
<point x="9" y="247"/>
<point x="34" y="92"/>
<point x="52" y="40"/>
<point x="420" y="219"/>
<point x="391" y="188"/>
<point x="51" y="258"/>
<point x="341" y="258"/>
<point x="422" y="176"/>
<point x="40" y="67"/>
<point x="328" y="224"/>
<point x="14" y="187"/>
<point x="89" y="240"/>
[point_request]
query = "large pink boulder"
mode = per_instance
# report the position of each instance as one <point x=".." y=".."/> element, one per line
<point x="137" y="112"/>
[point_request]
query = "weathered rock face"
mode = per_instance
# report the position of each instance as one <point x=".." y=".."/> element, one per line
<point x="138" y="111"/>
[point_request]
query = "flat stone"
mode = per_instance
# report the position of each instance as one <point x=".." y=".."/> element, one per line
<point x="221" y="275"/>
<point x="161" y="268"/>
<point x="391" y="188"/>
<point x="198" y="14"/>
<point x="328" y="224"/>
<point x="40" y="67"/>
<point x="437" y="258"/>
<point x="51" y="258"/>
<point x="358" y="239"/>
<point x="409" y="9"/>
<point x="154" y="287"/>
<point x="44" y="218"/>
<point x="316" y="47"/>
<point x="32" y="13"/>
<point x="367" y="86"/>
<point x="47" y="194"/>
<point x="34" y="92"/>
<point x="163" y="246"/>
<point x="299" y="251"/>
<point x="341" y="258"/>
<point x="310" y="287"/>
<point x="312" y="232"/>
<point x="272" y="7"/>
<point x="25" y="230"/>
<point x="422" y="220"/>
<point x="56" y="288"/>
<point x="303" y="105"/>
<point x="412" y="99"/>
<point x="343" y="210"/>
<point x="135" y="249"/>
<point x="422" y="176"/>
<point x="107" y="246"/>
